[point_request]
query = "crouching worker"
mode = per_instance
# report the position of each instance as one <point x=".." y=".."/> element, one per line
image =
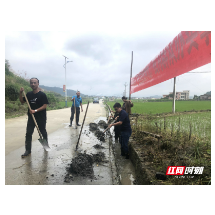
<point x="125" y="128"/>
<point x="38" y="102"/>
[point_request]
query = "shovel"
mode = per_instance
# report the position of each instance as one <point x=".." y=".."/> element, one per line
<point x="111" y="123"/>
<point x="41" y="140"/>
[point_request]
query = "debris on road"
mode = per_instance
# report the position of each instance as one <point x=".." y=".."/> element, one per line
<point x="82" y="165"/>
<point x="97" y="146"/>
<point x="98" y="157"/>
<point x="100" y="135"/>
<point x="103" y="124"/>
<point x="93" y="126"/>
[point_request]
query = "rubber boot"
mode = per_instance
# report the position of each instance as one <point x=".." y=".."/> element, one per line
<point x="27" y="150"/>
<point x="70" y="124"/>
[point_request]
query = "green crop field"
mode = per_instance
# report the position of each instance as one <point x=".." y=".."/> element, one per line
<point x="166" y="107"/>
<point x="200" y="123"/>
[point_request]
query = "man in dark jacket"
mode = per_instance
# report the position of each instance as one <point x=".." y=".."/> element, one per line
<point x="127" y="105"/>
<point x="125" y="128"/>
<point x="38" y="102"/>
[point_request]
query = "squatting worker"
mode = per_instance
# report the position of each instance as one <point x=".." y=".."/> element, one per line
<point x="38" y="102"/>
<point x="125" y="128"/>
<point x="116" y="128"/>
<point x="78" y="102"/>
<point x="127" y="105"/>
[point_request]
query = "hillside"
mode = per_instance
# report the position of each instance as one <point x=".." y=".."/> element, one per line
<point x="13" y="83"/>
<point x="60" y="91"/>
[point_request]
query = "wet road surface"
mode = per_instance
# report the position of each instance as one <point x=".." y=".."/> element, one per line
<point x="49" y="168"/>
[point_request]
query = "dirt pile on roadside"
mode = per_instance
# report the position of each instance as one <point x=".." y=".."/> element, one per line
<point x="98" y="157"/>
<point x="100" y="135"/>
<point x="82" y="165"/>
<point x="93" y="126"/>
<point x="103" y="124"/>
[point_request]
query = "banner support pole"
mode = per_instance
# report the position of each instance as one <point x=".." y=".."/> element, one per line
<point x="174" y="93"/>
<point x="131" y="75"/>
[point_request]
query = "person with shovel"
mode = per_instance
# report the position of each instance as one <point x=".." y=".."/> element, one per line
<point x="78" y="103"/>
<point x="125" y="128"/>
<point x="38" y="102"/>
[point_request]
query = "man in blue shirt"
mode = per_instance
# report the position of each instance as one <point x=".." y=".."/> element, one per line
<point x="125" y="128"/>
<point x="78" y="102"/>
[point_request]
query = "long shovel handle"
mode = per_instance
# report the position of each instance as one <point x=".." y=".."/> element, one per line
<point x="75" y="113"/>
<point x="107" y="127"/>
<point x="82" y="125"/>
<point x="32" y="115"/>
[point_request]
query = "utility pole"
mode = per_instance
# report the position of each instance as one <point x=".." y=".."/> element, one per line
<point x="131" y="75"/>
<point x="65" y="79"/>
<point x="174" y="92"/>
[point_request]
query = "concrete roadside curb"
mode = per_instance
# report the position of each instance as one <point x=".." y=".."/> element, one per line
<point x="115" y="177"/>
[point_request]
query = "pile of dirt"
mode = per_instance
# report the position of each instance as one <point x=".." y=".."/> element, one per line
<point x="103" y="124"/>
<point x="82" y="165"/>
<point x="100" y="135"/>
<point x="98" y="157"/>
<point x="93" y="126"/>
<point x="97" y="146"/>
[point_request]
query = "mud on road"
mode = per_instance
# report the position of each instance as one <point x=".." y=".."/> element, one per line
<point x="82" y="164"/>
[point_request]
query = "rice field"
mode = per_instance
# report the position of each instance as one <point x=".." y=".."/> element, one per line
<point x="166" y="107"/>
<point x="200" y="123"/>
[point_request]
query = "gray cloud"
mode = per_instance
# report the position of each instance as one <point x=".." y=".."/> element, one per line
<point x="101" y="62"/>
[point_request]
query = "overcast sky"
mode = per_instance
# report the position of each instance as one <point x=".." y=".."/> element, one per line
<point x="101" y="61"/>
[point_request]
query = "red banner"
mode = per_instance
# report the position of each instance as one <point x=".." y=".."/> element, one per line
<point x="189" y="50"/>
<point x="64" y="88"/>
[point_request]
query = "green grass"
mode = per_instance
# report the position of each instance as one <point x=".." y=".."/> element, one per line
<point x="166" y="107"/>
<point x="176" y="146"/>
<point x="200" y="123"/>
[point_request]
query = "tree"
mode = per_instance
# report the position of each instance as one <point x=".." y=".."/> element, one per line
<point x="195" y="97"/>
<point x="170" y="95"/>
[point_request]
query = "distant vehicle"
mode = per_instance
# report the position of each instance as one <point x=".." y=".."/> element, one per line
<point x="95" y="100"/>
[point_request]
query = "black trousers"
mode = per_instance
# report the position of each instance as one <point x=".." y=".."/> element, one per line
<point x="117" y="131"/>
<point x="30" y="130"/>
<point x="77" y="114"/>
